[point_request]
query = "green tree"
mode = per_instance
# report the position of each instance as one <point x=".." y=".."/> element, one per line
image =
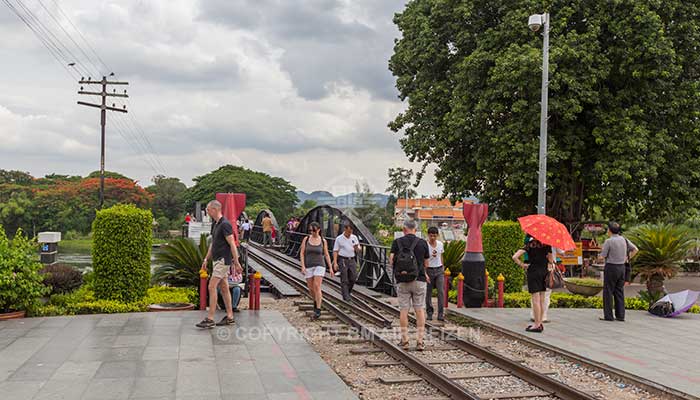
<point x="16" y="177"/>
<point x="367" y="210"/>
<point x="304" y="208"/>
<point x="400" y="183"/>
<point x="276" y="192"/>
<point x="168" y="197"/>
<point x="108" y="174"/>
<point x="254" y="209"/>
<point x="623" y="132"/>
<point x="16" y="212"/>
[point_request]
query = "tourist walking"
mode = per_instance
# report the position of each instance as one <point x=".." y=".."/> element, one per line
<point x="436" y="276"/>
<point x="539" y="257"/>
<point x="267" y="230"/>
<point x="616" y="251"/>
<point x="344" y="250"/>
<point x="314" y="259"/>
<point x="223" y="252"/>
<point x="409" y="260"/>
<point x="246" y="227"/>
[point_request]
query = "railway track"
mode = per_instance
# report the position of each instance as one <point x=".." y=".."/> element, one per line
<point x="370" y="317"/>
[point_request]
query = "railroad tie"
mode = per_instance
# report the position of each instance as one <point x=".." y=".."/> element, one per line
<point x="456" y="376"/>
<point x="366" y="350"/>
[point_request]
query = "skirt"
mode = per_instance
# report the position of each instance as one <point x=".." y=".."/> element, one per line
<point x="536" y="275"/>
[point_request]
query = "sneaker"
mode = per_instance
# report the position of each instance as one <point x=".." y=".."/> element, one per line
<point x="428" y="317"/>
<point x="317" y="313"/>
<point x="236" y="310"/>
<point x="225" y="321"/>
<point x="337" y="273"/>
<point x="206" y="323"/>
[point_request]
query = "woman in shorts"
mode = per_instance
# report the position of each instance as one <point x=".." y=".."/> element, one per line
<point x="314" y="259"/>
<point x="539" y="256"/>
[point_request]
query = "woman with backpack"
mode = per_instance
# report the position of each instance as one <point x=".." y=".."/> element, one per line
<point x="539" y="257"/>
<point x="314" y="259"/>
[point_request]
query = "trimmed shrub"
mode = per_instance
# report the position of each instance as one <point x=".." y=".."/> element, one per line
<point x="21" y="284"/>
<point x="62" y="278"/>
<point x="165" y="294"/>
<point x="102" y="307"/>
<point x="121" y="253"/>
<point x="501" y="240"/>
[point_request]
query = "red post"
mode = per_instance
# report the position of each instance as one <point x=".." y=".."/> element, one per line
<point x="251" y="292"/>
<point x="486" y="288"/>
<point x="447" y="287"/>
<point x="460" y="290"/>
<point x="500" y="280"/>
<point x="257" y="277"/>
<point x="203" y="289"/>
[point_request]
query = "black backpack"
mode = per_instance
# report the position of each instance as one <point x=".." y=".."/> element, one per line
<point x="405" y="263"/>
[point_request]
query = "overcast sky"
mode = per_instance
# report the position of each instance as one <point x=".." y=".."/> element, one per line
<point x="294" y="88"/>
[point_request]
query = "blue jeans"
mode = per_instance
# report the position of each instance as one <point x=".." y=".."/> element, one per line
<point x="235" y="296"/>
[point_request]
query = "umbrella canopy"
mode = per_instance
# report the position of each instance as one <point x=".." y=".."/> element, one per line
<point x="548" y="231"/>
<point x="682" y="301"/>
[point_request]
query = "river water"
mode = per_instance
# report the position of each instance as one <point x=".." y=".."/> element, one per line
<point x="83" y="261"/>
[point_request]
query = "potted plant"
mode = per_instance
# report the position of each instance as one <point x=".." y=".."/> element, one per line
<point x="662" y="249"/>
<point x="583" y="286"/>
<point x="21" y="284"/>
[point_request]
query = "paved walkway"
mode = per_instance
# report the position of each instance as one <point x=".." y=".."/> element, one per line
<point x="661" y="350"/>
<point x="161" y="356"/>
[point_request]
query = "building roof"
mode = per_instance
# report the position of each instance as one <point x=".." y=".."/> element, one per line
<point x="440" y="213"/>
<point x="428" y="203"/>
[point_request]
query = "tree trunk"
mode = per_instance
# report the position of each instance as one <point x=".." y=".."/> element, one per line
<point x="655" y="284"/>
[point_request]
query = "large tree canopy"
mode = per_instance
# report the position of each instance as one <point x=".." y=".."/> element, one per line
<point x="168" y="197"/>
<point x="623" y="135"/>
<point x="259" y="187"/>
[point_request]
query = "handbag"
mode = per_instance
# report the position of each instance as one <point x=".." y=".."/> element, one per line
<point x="554" y="279"/>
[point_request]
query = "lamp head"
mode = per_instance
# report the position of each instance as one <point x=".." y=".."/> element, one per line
<point x="535" y="22"/>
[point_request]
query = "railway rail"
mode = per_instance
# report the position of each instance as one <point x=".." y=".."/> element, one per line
<point x="369" y="316"/>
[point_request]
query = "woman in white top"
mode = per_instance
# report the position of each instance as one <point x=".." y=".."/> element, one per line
<point x="314" y="259"/>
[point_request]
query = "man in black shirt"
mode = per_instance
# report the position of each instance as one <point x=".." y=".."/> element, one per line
<point x="223" y="252"/>
<point x="411" y="291"/>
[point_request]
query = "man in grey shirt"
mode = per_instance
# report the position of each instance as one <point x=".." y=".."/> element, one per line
<point x="617" y="251"/>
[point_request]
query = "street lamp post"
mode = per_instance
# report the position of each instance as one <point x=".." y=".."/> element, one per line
<point x="535" y="22"/>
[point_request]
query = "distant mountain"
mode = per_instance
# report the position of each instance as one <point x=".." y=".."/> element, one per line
<point x="350" y="200"/>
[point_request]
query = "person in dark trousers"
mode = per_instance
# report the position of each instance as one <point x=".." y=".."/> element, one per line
<point x="616" y="251"/>
<point x="223" y="252"/>
<point x="408" y="259"/>
<point x="314" y="259"/>
<point x="436" y="273"/>
<point x="344" y="250"/>
<point x="267" y="230"/>
<point x="539" y="257"/>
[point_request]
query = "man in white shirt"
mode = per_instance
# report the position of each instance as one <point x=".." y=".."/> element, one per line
<point x="344" y="249"/>
<point x="436" y="273"/>
<point x="245" y="227"/>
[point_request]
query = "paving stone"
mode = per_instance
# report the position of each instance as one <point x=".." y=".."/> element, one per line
<point x="61" y="390"/>
<point x="34" y="372"/>
<point x="130" y="341"/>
<point x="159" y="368"/>
<point x="76" y="371"/>
<point x="153" y="387"/>
<point x="20" y="390"/>
<point x="161" y="353"/>
<point x="119" y="369"/>
<point x="108" y="389"/>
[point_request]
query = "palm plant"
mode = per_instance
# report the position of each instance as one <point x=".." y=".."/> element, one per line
<point x="181" y="260"/>
<point x="662" y="249"/>
<point x="454" y="252"/>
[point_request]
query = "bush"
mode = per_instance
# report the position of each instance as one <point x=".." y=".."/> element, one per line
<point x="501" y="240"/>
<point x="165" y="294"/>
<point x="62" y="278"/>
<point x="454" y="252"/>
<point x="21" y="284"/>
<point x="586" y="282"/>
<point x="121" y="253"/>
<point x="567" y="300"/>
<point x="690" y="267"/>
<point x="72" y="235"/>
<point x="102" y="307"/>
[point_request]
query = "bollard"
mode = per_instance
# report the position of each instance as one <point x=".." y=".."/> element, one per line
<point x="460" y="290"/>
<point x="251" y="292"/>
<point x="447" y="287"/>
<point x="203" y="289"/>
<point x="486" y="289"/>
<point x="500" y="280"/>
<point x="257" y="277"/>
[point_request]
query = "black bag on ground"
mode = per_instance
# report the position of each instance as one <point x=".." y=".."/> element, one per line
<point x="662" y="308"/>
<point x="405" y="264"/>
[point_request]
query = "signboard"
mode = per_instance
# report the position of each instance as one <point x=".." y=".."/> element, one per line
<point x="573" y="257"/>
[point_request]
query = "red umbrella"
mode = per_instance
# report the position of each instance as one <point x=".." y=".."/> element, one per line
<point x="548" y="231"/>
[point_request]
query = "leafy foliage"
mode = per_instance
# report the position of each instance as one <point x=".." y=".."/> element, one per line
<point x="279" y="194"/>
<point x="180" y="262"/>
<point x="21" y="284"/>
<point x="62" y="278"/>
<point x="454" y="252"/>
<point x="121" y="252"/>
<point x="303" y="208"/>
<point x="400" y="183"/>
<point x="501" y="240"/>
<point x="586" y="282"/>
<point x="662" y="249"/>
<point x="168" y="197"/>
<point x="623" y="103"/>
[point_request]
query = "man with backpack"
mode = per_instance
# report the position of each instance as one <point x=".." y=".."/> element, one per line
<point x="409" y="260"/>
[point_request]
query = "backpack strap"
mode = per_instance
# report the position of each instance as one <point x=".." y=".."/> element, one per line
<point x="414" y="244"/>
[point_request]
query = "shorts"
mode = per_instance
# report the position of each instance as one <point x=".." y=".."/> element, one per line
<point x="315" y="271"/>
<point x="411" y="294"/>
<point x="220" y="269"/>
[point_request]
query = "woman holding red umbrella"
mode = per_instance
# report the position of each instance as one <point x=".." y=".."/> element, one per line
<point x="539" y="256"/>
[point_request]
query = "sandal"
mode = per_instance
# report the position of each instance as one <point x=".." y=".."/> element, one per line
<point x="420" y="346"/>
<point x="405" y="345"/>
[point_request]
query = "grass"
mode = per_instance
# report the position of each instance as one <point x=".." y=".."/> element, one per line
<point x="84" y="246"/>
<point x="585" y="282"/>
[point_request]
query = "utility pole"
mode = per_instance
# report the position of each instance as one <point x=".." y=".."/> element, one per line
<point x="103" y="117"/>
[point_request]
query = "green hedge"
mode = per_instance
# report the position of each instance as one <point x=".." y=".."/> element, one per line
<point x="121" y="253"/>
<point x="501" y="240"/>
<point x="21" y="284"/>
